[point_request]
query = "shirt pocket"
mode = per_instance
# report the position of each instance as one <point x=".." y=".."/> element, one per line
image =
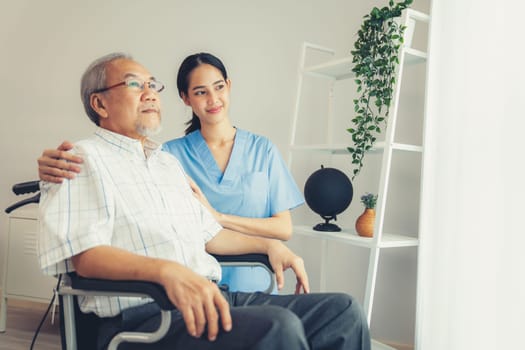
<point x="255" y="194"/>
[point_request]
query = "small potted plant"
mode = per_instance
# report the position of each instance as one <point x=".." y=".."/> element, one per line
<point x="364" y="224"/>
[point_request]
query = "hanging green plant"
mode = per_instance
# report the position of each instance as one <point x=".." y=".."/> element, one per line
<point x="375" y="59"/>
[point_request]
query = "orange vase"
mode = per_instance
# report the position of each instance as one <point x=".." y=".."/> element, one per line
<point x="364" y="224"/>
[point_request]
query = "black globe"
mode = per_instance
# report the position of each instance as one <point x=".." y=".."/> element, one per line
<point x="328" y="192"/>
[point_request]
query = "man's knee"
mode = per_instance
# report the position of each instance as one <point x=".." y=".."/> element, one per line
<point x="274" y="327"/>
<point x="345" y="325"/>
<point x="347" y="305"/>
<point x="286" y="322"/>
<point x="346" y="300"/>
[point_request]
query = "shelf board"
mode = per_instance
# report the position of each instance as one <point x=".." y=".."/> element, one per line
<point x="342" y="68"/>
<point x="342" y="149"/>
<point x="413" y="56"/>
<point x="418" y="15"/>
<point x="338" y="69"/>
<point x="403" y="147"/>
<point x="352" y="238"/>
<point x="324" y="148"/>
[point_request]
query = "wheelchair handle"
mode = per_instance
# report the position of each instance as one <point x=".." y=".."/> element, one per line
<point x="26" y="187"/>
<point x="23" y="188"/>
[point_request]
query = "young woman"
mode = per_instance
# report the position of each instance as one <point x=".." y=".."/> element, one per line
<point x="238" y="175"/>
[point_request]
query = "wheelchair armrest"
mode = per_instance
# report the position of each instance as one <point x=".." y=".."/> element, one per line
<point x="34" y="199"/>
<point x="249" y="259"/>
<point x="154" y="290"/>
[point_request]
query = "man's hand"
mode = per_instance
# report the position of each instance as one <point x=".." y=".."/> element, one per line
<point x="56" y="164"/>
<point x="199" y="300"/>
<point x="282" y="258"/>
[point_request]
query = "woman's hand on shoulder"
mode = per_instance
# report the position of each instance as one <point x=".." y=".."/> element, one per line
<point x="197" y="193"/>
<point x="55" y="165"/>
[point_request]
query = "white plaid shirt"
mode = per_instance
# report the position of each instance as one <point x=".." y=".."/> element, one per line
<point x="129" y="197"/>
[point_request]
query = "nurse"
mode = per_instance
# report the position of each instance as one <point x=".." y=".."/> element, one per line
<point x="241" y="177"/>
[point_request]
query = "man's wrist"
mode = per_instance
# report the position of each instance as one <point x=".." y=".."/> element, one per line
<point x="166" y="271"/>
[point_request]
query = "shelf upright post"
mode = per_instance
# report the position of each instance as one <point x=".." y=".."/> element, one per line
<point x="373" y="263"/>
<point x="409" y="19"/>
<point x="384" y="182"/>
<point x="297" y="105"/>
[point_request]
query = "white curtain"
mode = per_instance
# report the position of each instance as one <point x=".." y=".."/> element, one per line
<point x="471" y="278"/>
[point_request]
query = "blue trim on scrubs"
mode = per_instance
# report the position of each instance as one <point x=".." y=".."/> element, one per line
<point x="256" y="183"/>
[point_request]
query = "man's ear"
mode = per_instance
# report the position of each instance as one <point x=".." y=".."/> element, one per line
<point x="97" y="104"/>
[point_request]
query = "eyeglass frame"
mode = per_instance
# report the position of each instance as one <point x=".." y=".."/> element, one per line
<point x="123" y="83"/>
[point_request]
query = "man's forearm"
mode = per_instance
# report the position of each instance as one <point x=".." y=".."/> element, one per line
<point x="117" y="264"/>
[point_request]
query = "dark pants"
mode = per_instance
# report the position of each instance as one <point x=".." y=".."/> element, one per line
<point x="260" y="321"/>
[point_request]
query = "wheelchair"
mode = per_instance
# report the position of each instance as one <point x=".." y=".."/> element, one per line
<point x="78" y="330"/>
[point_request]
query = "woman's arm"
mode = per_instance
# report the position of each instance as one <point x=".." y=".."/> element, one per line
<point x="229" y="242"/>
<point x="278" y="226"/>
<point x="55" y="165"/>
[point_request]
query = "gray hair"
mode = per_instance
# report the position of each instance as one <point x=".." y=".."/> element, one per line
<point x="94" y="78"/>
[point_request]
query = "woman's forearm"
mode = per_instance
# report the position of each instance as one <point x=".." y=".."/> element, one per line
<point x="229" y="242"/>
<point x="278" y="226"/>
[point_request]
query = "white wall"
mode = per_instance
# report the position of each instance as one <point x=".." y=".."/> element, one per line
<point x="47" y="45"/>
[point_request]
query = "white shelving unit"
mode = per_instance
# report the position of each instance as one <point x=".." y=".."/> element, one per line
<point x="336" y="70"/>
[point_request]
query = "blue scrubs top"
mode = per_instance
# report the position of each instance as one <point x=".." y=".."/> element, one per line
<point x="256" y="183"/>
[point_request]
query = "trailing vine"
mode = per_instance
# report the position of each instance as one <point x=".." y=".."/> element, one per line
<point x="375" y="59"/>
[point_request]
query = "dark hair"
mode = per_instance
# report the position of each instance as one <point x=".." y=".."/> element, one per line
<point x="187" y="66"/>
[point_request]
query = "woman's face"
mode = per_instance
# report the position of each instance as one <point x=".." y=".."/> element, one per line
<point x="208" y="94"/>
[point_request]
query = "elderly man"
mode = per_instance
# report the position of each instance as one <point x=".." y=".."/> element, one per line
<point x="130" y="214"/>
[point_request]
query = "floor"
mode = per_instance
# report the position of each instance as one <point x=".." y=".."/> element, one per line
<point x="23" y="318"/>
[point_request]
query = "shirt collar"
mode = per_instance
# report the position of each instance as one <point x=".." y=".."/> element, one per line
<point x="126" y="144"/>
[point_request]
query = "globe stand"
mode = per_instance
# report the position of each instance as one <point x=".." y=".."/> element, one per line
<point x="327" y="226"/>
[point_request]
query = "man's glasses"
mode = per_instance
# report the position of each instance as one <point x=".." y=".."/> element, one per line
<point x="135" y="84"/>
